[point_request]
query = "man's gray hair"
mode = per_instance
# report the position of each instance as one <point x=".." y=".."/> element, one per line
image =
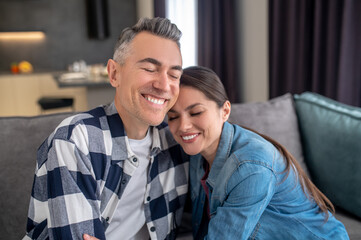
<point x="161" y="27"/>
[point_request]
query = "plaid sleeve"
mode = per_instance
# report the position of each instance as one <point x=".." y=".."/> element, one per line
<point x="64" y="200"/>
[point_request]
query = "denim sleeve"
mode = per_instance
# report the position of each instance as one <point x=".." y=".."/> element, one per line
<point x="248" y="192"/>
<point x="63" y="202"/>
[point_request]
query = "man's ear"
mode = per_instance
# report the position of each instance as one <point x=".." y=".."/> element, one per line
<point x="226" y="110"/>
<point x="112" y="69"/>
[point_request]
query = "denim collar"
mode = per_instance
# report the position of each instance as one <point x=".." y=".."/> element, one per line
<point x="223" y="152"/>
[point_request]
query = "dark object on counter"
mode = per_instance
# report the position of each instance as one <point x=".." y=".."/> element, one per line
<point x="97" y="16"/>
<point x="47" y="103"/>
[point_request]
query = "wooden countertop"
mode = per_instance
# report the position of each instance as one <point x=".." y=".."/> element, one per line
<point x="78" y="79"/>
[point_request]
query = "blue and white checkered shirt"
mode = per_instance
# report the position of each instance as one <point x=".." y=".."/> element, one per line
<point x="83" y="168"/>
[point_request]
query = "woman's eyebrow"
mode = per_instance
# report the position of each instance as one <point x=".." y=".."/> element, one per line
<point x="187" y="108"/>
<point x="192" y="106"/>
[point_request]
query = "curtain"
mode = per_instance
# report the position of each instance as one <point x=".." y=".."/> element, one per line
<point x="159" y="8"/>
<point x="217" y="41"/>
<point x="315" y="45"/>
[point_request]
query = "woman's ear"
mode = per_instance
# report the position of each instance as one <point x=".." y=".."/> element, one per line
<point x="226" y="110"/>
<point x="112" y="72"/>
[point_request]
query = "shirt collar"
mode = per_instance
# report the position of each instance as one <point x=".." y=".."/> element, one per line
<point x="223" y="152"/>
<point x="161" y="140"/>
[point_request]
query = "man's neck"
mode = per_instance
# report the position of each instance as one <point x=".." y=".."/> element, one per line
<point x="134" y="128"/>
<point x="135" y="133"/>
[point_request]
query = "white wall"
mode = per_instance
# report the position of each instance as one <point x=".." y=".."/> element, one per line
<point x="145" y="8"/>
<point x="253" y="49"/>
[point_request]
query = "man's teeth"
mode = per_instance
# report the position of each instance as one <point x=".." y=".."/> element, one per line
<point x="156" y="101"/>
<point x="189" y="137"/>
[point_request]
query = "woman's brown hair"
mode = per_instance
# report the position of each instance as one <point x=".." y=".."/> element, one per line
<point x="207" y="82"/>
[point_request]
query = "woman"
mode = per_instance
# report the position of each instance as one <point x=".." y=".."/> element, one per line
<point x="243" y="185"/>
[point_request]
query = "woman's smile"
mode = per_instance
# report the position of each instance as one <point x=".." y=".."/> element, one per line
<point x="189" y="138"/>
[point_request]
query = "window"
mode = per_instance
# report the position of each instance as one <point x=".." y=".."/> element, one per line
<point x="184" y="14"/>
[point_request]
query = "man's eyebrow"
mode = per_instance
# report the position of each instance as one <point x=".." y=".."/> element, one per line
<point x="150" y="60"/>
<point x="157" y="63"/>
<point x="177" y="67"/>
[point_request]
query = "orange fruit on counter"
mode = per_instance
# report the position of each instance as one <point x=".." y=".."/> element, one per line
<point x="25" y="67"/>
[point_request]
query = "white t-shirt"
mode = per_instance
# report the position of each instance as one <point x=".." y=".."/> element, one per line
<point x="129" y="220"/>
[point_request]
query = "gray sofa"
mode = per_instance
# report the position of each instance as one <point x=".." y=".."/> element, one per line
<point x="322" y="134"/>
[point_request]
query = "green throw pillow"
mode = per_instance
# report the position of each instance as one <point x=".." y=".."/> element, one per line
<point x="331" y="137"/>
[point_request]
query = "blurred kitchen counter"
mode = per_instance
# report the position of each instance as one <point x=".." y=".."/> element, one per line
<point x="80" y="79"/>
<point x="98" y="89"/>
<point x="19" y="93"/>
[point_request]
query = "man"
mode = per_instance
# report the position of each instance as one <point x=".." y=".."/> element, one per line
<point x="109" y="172"/>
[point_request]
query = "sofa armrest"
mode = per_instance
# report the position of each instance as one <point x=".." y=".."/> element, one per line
<point x="331" y="137"/>
<point x="19" y="140"/>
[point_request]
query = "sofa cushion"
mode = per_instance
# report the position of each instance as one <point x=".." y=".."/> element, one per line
<point x="351" y="222"/>
<point x="19" y="139"/>
<point x="275" y="118"/>
<point x="331" y="135"/>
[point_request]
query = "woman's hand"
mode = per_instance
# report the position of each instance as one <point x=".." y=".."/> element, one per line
<point x="88" y="237"/>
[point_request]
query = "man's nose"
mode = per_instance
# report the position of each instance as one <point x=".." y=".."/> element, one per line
<point x="162" y="82"/>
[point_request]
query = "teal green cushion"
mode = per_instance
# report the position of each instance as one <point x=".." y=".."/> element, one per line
<point x="331" y="137"/>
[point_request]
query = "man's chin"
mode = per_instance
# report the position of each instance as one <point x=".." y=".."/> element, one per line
<point x="153" y="117"/>
<point x="156" y="123"/>
<point x="155" y="120"/>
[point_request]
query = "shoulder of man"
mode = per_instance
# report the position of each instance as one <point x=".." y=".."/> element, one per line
<point x="65" y="129"/>
<point x="91" y="118"/>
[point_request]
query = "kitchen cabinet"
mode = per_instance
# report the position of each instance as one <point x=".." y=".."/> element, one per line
<point x="19" y="94"/>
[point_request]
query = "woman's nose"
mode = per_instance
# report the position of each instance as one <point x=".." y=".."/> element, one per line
<point x="185" y="124"/>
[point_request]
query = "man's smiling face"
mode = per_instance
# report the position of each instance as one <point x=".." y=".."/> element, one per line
<point x="147" y="84"/>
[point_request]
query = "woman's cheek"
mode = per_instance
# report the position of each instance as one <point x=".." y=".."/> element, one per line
<point x="171" y="127"/>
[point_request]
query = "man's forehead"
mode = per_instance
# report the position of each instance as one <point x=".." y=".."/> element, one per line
<point x="148" y="36"/>
<point x="147" y="46"/>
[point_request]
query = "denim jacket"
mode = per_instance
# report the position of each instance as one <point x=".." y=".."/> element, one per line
<point x="250" y="196"/>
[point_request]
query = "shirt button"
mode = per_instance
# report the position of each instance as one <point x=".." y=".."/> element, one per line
<point x="107" y="219"/>
<point x="148" y="198"/>
<point x="135" y="159"/>
<point x="152" y="229"/>
<point x="124" y="181"/>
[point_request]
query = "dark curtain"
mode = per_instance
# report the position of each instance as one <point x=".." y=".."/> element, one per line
<point x="217" y="41"/>
<point x="159" y="8"/>
<point x="315" y="45"/>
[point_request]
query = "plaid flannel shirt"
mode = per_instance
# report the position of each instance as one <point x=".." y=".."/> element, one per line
<point x="83" y="168"/>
